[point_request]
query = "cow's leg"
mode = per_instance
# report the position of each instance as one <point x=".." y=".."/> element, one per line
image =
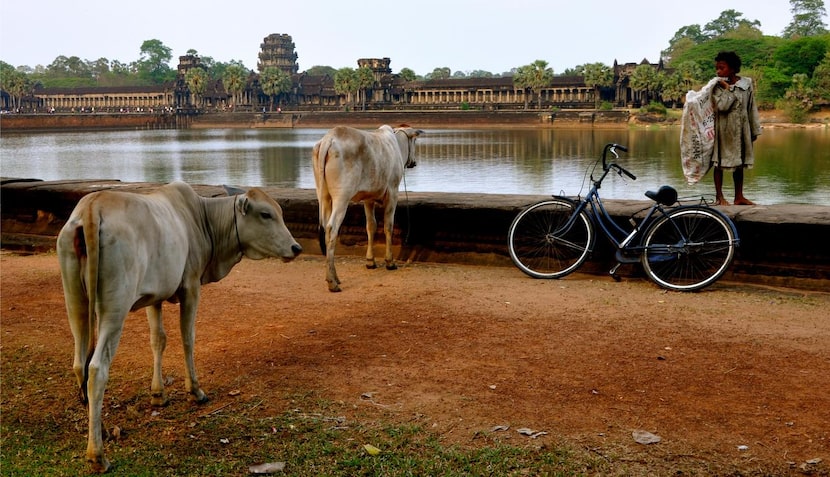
<point x="158" y="341"/>
<point x="388" y="228"/>
<point x="187" y="323"/>
<point x="371" y="230"/>
<point x="338" y="214"/>
<point x="109" y="334"/>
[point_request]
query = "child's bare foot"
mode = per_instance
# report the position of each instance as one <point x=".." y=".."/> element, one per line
<point x="743" y="201"/>
<point x="721" y="201"/>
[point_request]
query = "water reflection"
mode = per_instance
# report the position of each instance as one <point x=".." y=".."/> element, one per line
<point x="792" y="165"/>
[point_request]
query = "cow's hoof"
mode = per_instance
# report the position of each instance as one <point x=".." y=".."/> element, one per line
<point x="334" y="288"/>
<point x="99" y="464"/>
<point x="198" y="397"/>
<point x="391" y="266"/>
<point x="371" y="265"/>
<point x="159" y="400"/>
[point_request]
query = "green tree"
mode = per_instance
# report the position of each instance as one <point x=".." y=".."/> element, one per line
<point x="154" y="62"/>
<point x="408" y="74"/>
<point x="672" y="87"/>
<point x="800" y="55"/>
<point x="69" y="67"/>
<point x="321" y="71"/>
<point x="14" y="82"/>
<point x="683" y="39"/>
<point x="196" y="80"/>
<point x="440" y="73"/>
<point x="691" y="75"/>
<point x="274" y="82"/>
<point x="235" y="79"/>
<point x="772" y="85"/>
<point x="798" y="100"/>
<point x="644" y="80"/>
<point x="533" y="78"/>
<point x="365" y="79"/>
<point x="480" y="74"/>
<point x="346" y="82"/>
<point x="99" y="68"/>
<point x="728" y="21"/>
<point x="821" y="79"/>
<point x="598" y="75"/>
<point x="807" y="19"/>
<point x="216" y="69"/>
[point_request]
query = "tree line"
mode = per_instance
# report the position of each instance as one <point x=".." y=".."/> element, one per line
<point x="791" y="71"/>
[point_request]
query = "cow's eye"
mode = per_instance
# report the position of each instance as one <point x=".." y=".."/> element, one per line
<point x="265" y="215"/>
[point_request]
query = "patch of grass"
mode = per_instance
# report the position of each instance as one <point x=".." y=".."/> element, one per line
<point x="43" y="434"/>
<point x="320" y="440"/>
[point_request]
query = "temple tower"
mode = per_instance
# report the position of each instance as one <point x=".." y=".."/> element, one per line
<point x="379" y="66"/>
<point x="278" y="51"/>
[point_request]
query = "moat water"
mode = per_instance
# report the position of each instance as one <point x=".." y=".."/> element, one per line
<point x="792" y="165"/>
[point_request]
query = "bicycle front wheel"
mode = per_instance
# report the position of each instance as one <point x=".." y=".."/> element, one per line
<point x="545" y="241"/>
<point x="689" y="248"/>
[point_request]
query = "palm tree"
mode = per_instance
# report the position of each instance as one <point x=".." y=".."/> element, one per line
<point x="346" y="82"/>
<point x="15" y="83"/>
<point x="534" y="77"/>
<point x="196" y="80"/>
<point x="690" y="73"/>
<point x="643" y="79"/>
<point x="274" y="82"/>
<point x="598" y="75"/>
<point x="365" y="79"/>
<point x="672" y="87"/>
<point x="234" y="79"/>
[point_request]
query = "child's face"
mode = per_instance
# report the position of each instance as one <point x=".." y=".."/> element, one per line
<point x="723" y="70"/>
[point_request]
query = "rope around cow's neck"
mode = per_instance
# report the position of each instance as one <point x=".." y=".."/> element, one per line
<point x="405" y="192"/>
<point x="236" y="227"/>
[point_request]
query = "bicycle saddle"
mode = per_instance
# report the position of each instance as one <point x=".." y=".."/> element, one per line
<point x="666" y="195"/>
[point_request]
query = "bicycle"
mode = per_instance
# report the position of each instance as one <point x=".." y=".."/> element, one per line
<point x="681" y="247"/>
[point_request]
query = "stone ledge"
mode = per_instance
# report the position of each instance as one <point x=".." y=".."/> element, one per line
<point x="782" y="245"/>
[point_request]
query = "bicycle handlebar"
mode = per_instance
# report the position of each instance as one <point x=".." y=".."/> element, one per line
<point x="606" y="166"/>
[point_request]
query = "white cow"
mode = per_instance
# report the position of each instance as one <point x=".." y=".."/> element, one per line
<point x="352" y="165"/>
<point x="121" y="251"/>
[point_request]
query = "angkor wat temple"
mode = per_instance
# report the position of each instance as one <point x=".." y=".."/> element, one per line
<point x="317" y="92"/>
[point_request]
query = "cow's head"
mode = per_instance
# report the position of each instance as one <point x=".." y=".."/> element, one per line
<point x="260" y="228"/>
<point x="407" y="144"/>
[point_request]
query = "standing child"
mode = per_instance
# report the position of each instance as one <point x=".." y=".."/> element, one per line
<point x="736" y="127"/>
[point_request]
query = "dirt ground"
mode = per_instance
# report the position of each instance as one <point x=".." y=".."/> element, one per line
<point x="736" y="376"/>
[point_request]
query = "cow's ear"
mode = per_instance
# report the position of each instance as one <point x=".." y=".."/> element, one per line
<point x="242" y="204"/>
<point x="231" y="190"/>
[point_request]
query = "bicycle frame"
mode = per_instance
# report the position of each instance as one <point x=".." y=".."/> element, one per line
<point x="628" y="249"/>
<point x="620" y="238"/>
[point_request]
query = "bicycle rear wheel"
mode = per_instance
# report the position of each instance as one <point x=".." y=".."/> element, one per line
<point x="689" y="248"/>
<point x="543" y="243"/>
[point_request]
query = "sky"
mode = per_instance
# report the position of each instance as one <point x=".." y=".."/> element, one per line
<point x="463" y="35"/>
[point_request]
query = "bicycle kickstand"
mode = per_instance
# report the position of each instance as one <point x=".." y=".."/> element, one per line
<point x="613" y="272"/>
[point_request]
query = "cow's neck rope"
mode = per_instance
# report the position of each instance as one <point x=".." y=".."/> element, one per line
<point x="236" y="227"/>
<point x="405" y="192"/>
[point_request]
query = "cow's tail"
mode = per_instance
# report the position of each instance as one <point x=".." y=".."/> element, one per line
<point x="321" y="152"/>
<point x="91" y="238"/>
<point x="321" y="236"/>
